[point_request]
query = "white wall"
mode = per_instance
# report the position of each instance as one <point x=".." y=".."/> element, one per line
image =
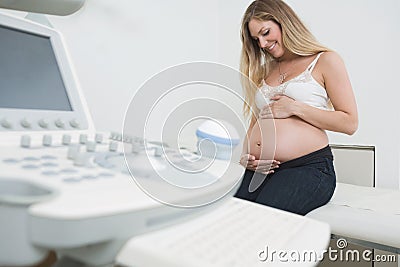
<point x="366" y="34"/>
<point x="117" y="45"/>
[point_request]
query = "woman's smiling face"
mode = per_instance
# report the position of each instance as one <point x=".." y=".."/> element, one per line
<point x="268" y="35"/>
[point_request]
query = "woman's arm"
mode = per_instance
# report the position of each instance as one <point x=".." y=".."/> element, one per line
<point x="343" y="119"/>
<point x="245" y="149"/>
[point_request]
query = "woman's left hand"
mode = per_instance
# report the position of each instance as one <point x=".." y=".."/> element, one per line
<point x="281" y="108"/>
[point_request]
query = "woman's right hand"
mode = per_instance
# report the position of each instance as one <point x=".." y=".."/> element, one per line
<point x="264" y="166"/>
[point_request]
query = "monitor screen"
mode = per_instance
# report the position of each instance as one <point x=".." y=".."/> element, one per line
<point x="30" y="77"/>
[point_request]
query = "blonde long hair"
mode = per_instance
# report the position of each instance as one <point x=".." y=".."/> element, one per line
<point x="255" y="63"/>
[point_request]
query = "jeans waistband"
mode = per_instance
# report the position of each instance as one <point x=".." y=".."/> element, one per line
<point x="325" y="152"/>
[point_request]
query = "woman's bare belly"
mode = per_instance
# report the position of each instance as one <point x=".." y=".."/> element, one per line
<point x="285" y="139"/>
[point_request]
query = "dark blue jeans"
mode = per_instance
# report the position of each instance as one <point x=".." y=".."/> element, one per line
<point x="299" y="185"/>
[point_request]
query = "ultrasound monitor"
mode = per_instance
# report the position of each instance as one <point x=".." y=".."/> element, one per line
<point x="38" y="90"/>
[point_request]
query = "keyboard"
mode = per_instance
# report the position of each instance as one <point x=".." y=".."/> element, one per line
<point x="237" y="233"/>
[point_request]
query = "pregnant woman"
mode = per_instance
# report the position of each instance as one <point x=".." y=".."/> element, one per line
<point x="297" y="89"/>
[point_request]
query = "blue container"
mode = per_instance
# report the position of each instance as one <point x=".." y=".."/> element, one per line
<point x="217" y="139"/>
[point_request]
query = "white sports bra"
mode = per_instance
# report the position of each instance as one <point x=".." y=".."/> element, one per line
<point x="303" y="88"/>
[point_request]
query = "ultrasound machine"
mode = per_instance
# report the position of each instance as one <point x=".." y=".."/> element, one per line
<point x="65" y="187"/>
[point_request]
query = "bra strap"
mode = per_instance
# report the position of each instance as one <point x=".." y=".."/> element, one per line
<point x="312" y="65"/>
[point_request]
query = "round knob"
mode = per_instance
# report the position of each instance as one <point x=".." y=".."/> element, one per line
<point x="66" y="139"/>
<point x="47" y="139"/>
<point x="98" y="138"/>
<point x="74" y="123"/>
<point x="73" y="150"/>
<point x="90" y="146"/>
<point x="83" y="138"/>
<point x="6" y="123"/>
<point x="59" y="123"/>
<point x="25" y="141"/>
<point x="113" y="146"/>
<point x="43" y="123"/>
<point x="25" y="123"/>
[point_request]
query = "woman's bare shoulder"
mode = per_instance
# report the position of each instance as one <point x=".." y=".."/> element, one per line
<point x="330" y="59"/>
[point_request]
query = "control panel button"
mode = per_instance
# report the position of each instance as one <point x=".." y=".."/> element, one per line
<point x="83" y="138"/>
<point x="81" y="160"/>
<point x="74" y="123"/>
<point x="50" y="173"/>
<point x="43" y="123"/>
<point x="89" y="176"/>
<point x="136" y="147"/>
<point x="48" y="157"/>
<point x="26" y="123"/>
<point x="68" y="170"/>
<point x="127" y="139"/>
<point x="113" y="146"/>
<point x="30" y="166"/>
<point x="47" y="140"/>
<point x="25" y="141"/>
<point x="59" y="123"/>
<point x="31" y="159"/>
<point x="10" y="160"/>
<point x="90" y="146"/>
<point x="49" y="164"/>
<point x="73" y="150"/>
<point x="72" y="180"/>
<point x="106" y="174"/>
<point x="114" y="136"/>
<point x="158" y="151"/>
<point x="66" y="139"/>
<point x="98" y="138"/>
<point x="6" y="123"/>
